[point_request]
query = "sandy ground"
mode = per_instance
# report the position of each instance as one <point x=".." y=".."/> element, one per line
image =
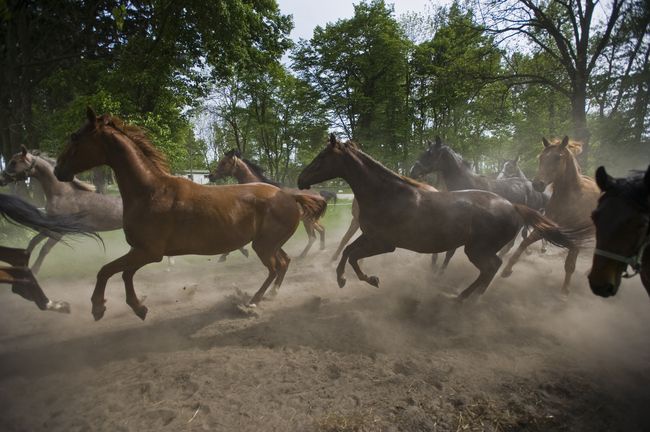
<point x="403" y="357"/>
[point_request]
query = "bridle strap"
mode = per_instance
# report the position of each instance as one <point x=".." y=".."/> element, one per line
<point x="28" y="172"/>
<point x="633" y="261"/>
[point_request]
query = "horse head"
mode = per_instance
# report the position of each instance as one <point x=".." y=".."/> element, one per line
<point x="328" y="164"/>
<point x="429" y="160"/>
<point x="622" y="221"/>
<point x="226" y="166"/>
<point x="553" y="161"/>
<point x="19" y="167"/>
<point x="84" y="150"/>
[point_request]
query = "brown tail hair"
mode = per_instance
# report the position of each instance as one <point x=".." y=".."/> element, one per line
<point x="312" y="206"/>
<point x="549" y="230"/>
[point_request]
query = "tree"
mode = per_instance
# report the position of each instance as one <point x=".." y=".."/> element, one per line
<point x="565" y="30"/>
<point x="359" y="68"/>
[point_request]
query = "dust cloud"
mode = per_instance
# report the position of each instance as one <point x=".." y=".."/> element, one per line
<point x="405" y="356"/>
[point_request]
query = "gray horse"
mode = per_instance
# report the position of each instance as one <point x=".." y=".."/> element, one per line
<point x="100" y="212"/>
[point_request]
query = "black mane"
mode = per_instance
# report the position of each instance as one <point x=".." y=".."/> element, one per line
<point x="633" y="188"/>
<point x="259" y="172"/>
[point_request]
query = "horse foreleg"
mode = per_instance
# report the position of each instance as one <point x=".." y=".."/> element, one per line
<point x="569" y="268"/>
<point x="340" y="268"/>
<point x="354" y="226"/>
<point x="132" y="260"/>
<point x="51" y="242"/>
<point x="367" y="249"/>
<point x="311" y="236"/>
<point x="504" y="250"/>
<point x="532" y="238"/>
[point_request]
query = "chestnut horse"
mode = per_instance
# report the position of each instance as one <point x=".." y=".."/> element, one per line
<point x="23" y="282"/>
<point x="570" y="206"/>
<point x="622" y="221"/>
<point x="397" y="211"/>
<point x="165" y="215"/>
<point x="245" y="171"/>
<point x="101" y="212"/>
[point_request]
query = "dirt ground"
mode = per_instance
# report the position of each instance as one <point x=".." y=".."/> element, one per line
<point x="403" y="357"/>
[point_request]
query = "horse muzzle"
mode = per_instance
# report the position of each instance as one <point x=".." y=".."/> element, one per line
<point x="603" y="290"/>
<point x="302" y="184"/>
<point x="61" y="175"/>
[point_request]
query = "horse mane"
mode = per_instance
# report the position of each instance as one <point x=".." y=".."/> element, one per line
<point x="76" y="183"/>
<point x="139" y="137"/>
<point x="259" y="172"/>
<point x="352" y="148"/>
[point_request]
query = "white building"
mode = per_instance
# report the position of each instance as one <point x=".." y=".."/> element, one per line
<point x="197" y="176"/>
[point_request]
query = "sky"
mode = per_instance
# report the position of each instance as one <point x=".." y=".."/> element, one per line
<point x="307" y="14"/>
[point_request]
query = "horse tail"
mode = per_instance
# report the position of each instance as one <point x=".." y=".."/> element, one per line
<point x="19" y="211"/>
<point x="312" y="206"/>
<point x="550" y="231"/>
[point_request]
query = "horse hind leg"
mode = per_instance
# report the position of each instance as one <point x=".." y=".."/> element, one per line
<point x="532" y="238"/>
<point x="311" y="236"/>
<point x="488" y="264"/>
<point x="354" y="226"/>
<point x="270" y="261"/>
<point x="282" y="260"/>
<point x="47" y="247"/>
<point x="321" y="232"/>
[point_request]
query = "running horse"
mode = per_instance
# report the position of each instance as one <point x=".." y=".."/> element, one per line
<point x="245" y="171"/>
<point x="100" y="212"/>
<point x="458" y="175"/>
<point x="622" y="220"/>
<point x="18" y="274"/>
<point x="397" y="211"/>
<point x="166" y="215"/>
<point x="570" y="206"/>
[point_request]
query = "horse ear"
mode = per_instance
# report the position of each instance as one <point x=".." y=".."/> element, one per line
<point x="545" y="142"/>
<point x="603" y="180"/>
<point x="565" y="142"/>
<point x="517" y="159"/>
<point x="332" y="140"/>
<point x="237" y="153"/>
<point x="23" y="150"/>
<point x="438" y="141"/>
<point x="90" y="114"/>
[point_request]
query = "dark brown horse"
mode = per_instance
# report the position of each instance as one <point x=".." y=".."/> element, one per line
<point x="100" y="212"/>
<point x="622" y="221"/>
<point x="397" y="211"/>
<point x="18" y="274"/>
<point x="165" y="215"/>
<point x="245" y="171"/>
<point x="573" y="199"/>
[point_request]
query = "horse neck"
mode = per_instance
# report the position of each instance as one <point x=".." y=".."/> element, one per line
<point x="370" y="180"/>
<point x="569" y="181"/>
<point x="456" y="175"/>
<point x="244" y="174"/>
<point x="44" y="173"/>
<point x="135" y="175"/>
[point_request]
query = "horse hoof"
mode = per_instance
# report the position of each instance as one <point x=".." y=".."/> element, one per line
<point x="506" y="273"/>
<point x="141" y="312"/>
<point x="98" y="312"/>
<point x="341" y="282"/>
<point x="222" y="259"/>
<point x="59" y="306"/>
<point x="373" y="280"/>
